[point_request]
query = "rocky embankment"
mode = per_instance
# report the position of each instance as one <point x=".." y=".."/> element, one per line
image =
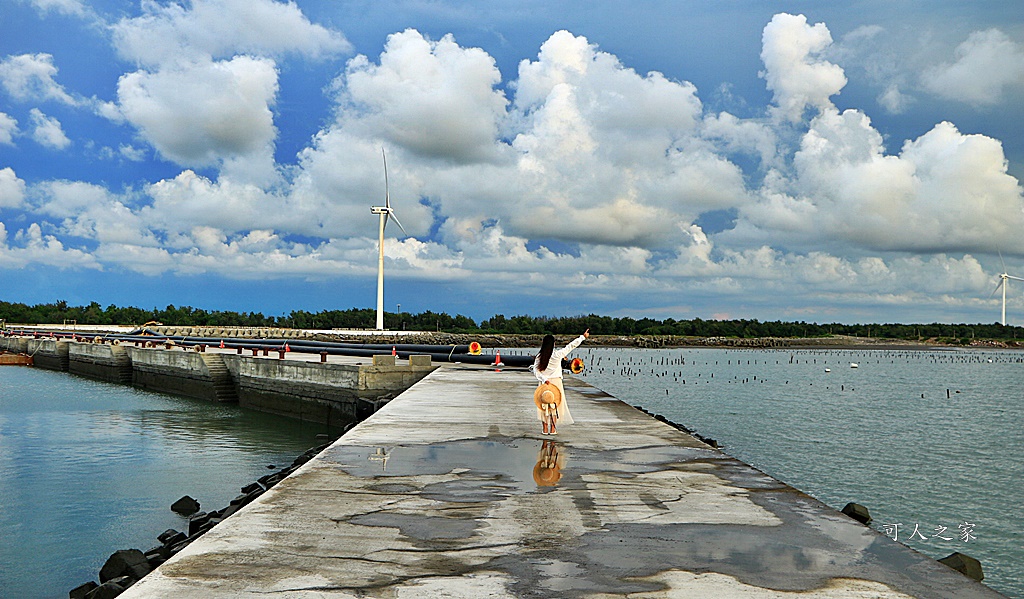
<point x="127" y="566"/>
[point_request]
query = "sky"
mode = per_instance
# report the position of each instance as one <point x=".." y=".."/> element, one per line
<point x="813" y="161"/>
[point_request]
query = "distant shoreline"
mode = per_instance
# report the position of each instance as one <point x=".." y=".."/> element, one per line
<point x="678" y="342"/>
<point x="673" y="342"/>
<point x="493" y="340"/>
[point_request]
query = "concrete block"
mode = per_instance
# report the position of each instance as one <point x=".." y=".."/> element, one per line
<point x="110" y="589"/>
<point x="858" y="512"/>
<point x="126" y="562"/>
<point x="384" y="360"/>
<point x="82" y="590"/>
<point x="158" y="555"/>
<point x="171" y="537"/>
<point x="964" y="564"/>
<point x="196" y="522"/>
<point x="186" y="506"/>
<point x="419" y="361"/>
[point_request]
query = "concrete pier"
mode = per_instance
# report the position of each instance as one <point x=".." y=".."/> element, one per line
<point x="450" y="490"/>
<point x="335" y="391"/>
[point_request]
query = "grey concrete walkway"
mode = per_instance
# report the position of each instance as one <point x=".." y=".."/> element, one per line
<point x="443" y="493"/>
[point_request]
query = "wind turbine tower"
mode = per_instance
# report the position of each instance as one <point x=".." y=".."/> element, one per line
<point x="385" y="212"/>
<point x="1003" y="278"/>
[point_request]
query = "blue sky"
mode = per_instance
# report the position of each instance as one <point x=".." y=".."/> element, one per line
<point x="851" y="162"/>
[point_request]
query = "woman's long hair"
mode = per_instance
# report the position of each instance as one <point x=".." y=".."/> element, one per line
<point x="547" y="347"/>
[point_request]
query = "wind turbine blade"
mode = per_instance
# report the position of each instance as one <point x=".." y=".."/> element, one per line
<point x="386" y="216"/>
<point x="392" y="214"/>
<point x="1014" y="278"/>
<point x="387" y="194"/>
<point x="998" y="285"/>
<point x="1001" y="261"/>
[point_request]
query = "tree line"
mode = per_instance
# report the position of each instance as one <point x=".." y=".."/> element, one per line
<point x="364" y="318"/>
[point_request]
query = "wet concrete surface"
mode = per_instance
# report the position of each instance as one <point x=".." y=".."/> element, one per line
<point x="451" y="491"/>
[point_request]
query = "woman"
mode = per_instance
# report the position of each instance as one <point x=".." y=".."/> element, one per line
<point x="547" y="367"/>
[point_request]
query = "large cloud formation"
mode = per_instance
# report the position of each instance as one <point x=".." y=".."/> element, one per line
<point x="578" y="175"/>
<point x="206" y="92"/>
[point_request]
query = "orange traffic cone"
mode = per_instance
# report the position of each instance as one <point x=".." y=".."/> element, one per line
<point x="222" y="344"/>
<point x="286" y="348"/>
<point x="393" y="352"/>
<point x="497" y="358"/>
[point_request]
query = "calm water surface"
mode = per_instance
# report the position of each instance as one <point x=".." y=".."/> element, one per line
<point x="883" y="434"/>
<point x="87" y="468"/>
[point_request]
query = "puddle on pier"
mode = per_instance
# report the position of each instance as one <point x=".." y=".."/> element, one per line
<point x="514" y="465"/>
<point x="640" y="513"/>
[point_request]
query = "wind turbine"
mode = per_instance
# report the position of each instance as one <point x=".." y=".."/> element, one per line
<point x="385" y="212"/>
<point x="1003" y="278"/>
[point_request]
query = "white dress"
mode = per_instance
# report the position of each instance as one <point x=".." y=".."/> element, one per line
<point x="553" y="374"/>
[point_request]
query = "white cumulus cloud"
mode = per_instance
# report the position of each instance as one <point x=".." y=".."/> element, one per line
<point x="432" y="97"/>
<point x="92" y="212"/>
<point x="944" y="191"/>
<point x="12" y="189"/>
<point x="189" y="200"/>
<point x="30" y="77"/>
<point x="794" y="69"/>
<point x="47" y="131"/>
<point x="202" y="113"/>
<point x="987" y="65"/>
<point x="8" y="129"/>
<point x="209" y="79"/>
<point x="209" y="29"/>
<point x="31" y="246"/>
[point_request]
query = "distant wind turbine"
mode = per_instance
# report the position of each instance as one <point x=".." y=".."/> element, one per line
<point x="1003" y="278"/>
<point x="385" y="212"/>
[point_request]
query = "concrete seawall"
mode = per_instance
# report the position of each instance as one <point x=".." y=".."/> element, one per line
<point x="339" y="391"/>
<point x="357" y="384"/>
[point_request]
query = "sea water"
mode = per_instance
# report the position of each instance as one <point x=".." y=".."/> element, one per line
<point x="930" y="441"/>
<point x="87" y="468"/>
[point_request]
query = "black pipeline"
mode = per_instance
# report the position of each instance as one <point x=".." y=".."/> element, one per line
<point x="437" y="353"/>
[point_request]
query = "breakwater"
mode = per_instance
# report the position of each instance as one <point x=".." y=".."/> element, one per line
<point x="332" y="390"/>
<point x="451" y="490"/>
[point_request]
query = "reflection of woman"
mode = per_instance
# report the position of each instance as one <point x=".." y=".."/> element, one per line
<point x="547" y="367"/>
<point x="550" y="462"/>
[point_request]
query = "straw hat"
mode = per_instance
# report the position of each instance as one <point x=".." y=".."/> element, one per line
<point x="546" y="475"/>
<point x="547" y="393"/>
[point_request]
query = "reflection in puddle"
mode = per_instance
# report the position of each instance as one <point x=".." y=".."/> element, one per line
<point x="550" y="462"/>
<point x="520" y="465"/>
<point x="380" y="455"/>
